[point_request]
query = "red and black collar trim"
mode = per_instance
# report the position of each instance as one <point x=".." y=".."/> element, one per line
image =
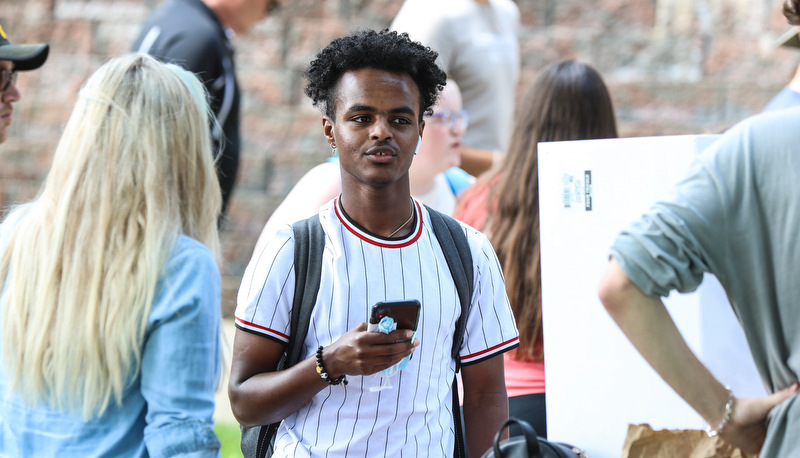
<point x="375" y="239"/>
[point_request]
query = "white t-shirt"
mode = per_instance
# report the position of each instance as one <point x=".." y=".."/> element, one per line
<point x="414" y="418"/>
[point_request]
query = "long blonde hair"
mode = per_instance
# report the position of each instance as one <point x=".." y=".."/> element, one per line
<point x="133" y="170"/>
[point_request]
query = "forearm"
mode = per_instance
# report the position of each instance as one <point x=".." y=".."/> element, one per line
<point x="272" y="396"/>
<point x="485" y="403"/>
<point x="483" y="415"/>
<point x="651" y="330"/>
<point x="261" y="394"/>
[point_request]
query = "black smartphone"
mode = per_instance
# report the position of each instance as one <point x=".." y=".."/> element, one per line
<point x="405" y="313"/>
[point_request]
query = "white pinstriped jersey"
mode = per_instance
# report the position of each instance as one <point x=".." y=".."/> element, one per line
<point x="358" y="269"/>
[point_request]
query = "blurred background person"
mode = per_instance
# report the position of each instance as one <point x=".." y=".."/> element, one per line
<point x="15" y="58"/>
<point x="434" y="176"/>
<point x="790" y="95"/>
<point x="197" y="35"/>
<point x="736" y="215"/>
<point x="568" y="101"/>
<point x="477" y="42"/>
<point x="111" y="294"/>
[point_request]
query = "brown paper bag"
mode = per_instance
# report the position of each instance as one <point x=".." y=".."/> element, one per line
<point x="643" y="442"/>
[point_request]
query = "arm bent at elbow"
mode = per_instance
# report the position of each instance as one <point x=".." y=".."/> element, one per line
<point x="649" y="327"/>
<point x="261" y="395"/>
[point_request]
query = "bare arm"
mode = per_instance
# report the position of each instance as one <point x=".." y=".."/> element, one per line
<point x="650" y="328"/>
<point x="485" y="403"/>
<point x="261" y="395"/>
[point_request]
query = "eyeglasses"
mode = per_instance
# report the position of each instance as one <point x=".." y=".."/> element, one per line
<point x="451" y="119"/>
<point x="6" y="78"/>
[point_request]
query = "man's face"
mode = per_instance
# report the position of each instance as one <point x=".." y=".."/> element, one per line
<point x="376" y="127"/>
<point x="7" y="97"/>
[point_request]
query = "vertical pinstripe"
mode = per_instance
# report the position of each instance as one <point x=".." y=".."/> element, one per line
<point x="414" y="418"/>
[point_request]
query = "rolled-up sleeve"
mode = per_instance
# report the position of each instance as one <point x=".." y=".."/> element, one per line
<point x="678" y="239"/>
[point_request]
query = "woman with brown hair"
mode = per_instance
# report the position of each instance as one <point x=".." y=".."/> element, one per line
<point x="568" y="101"/>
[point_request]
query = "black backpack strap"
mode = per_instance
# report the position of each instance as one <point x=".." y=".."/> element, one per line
<point x="456" y="251"/>
<point x="309" y="244"/>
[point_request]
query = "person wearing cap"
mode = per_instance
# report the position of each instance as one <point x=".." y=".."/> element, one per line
<point x="15" y="58"/>
<point x="197" y="35"/>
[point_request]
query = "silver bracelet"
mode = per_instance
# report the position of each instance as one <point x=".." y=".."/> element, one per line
<point x="725" y="417"/>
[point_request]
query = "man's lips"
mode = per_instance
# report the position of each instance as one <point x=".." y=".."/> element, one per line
<point x="381" y="151"/>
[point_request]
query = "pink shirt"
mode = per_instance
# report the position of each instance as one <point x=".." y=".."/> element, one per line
<point x="522" y="377"/>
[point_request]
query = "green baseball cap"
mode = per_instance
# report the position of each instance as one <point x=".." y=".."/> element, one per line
<point x="24" y="56"/>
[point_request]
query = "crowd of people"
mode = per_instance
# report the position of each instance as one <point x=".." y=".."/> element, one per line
<point x="110" y="304"/>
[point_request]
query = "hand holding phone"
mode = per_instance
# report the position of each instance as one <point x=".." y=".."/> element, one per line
<point x="404" y="315"/>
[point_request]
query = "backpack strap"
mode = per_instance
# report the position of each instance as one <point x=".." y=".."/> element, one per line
<point x="456" y="251"/>
<point x="309" y="245"/>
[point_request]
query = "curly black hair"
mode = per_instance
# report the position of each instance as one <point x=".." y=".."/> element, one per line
<point x="384" y="50"/>
<point x="791" y="9"/>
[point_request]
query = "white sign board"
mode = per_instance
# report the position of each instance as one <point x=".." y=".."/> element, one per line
<point x="597" y="383"/>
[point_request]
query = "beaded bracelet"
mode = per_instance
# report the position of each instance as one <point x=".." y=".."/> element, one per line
<point x="324" y="374"/>
<point x="725" y="417"/>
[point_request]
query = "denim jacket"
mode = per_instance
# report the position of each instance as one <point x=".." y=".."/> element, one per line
<point x="167" y="408"/>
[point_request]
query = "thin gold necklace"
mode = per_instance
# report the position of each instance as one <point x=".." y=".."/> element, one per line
<point x="406" y="222"/>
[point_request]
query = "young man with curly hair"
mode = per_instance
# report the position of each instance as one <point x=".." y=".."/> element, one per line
<point x="736" y="215"/>
<point x="373" y="88"/>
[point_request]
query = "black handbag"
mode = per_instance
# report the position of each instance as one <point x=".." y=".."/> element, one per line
<point x="529" y="445"/>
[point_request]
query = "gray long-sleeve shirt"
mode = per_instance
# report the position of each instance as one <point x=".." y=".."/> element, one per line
<point x="737" y="215"/>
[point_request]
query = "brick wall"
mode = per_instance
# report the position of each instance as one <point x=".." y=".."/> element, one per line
<point x="673" y="67"/>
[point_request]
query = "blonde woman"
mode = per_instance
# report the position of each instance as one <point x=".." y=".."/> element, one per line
<point x="110" y="300"/>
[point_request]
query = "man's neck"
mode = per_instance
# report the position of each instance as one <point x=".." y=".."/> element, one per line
<point x="219" y="8"/>
<point x="379" y="210"/>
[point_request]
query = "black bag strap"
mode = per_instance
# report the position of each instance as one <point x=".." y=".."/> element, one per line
<point x="531" y="441"/>
<point x="309" y="244"/>
<point x="456" y="251"/>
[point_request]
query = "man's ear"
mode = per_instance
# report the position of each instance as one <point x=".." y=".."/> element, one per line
<point x="421" y="127"/>
<point x="327" y="129"/>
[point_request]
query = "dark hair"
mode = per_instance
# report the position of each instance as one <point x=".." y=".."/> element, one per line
<point x="791" y="9"/>
<point x="568" y="101"/>
<point x="384" y="50"/>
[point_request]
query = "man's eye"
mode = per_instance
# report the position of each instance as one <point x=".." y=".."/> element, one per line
<point x="360" y="119"/>
<point x="401" y="121"/>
